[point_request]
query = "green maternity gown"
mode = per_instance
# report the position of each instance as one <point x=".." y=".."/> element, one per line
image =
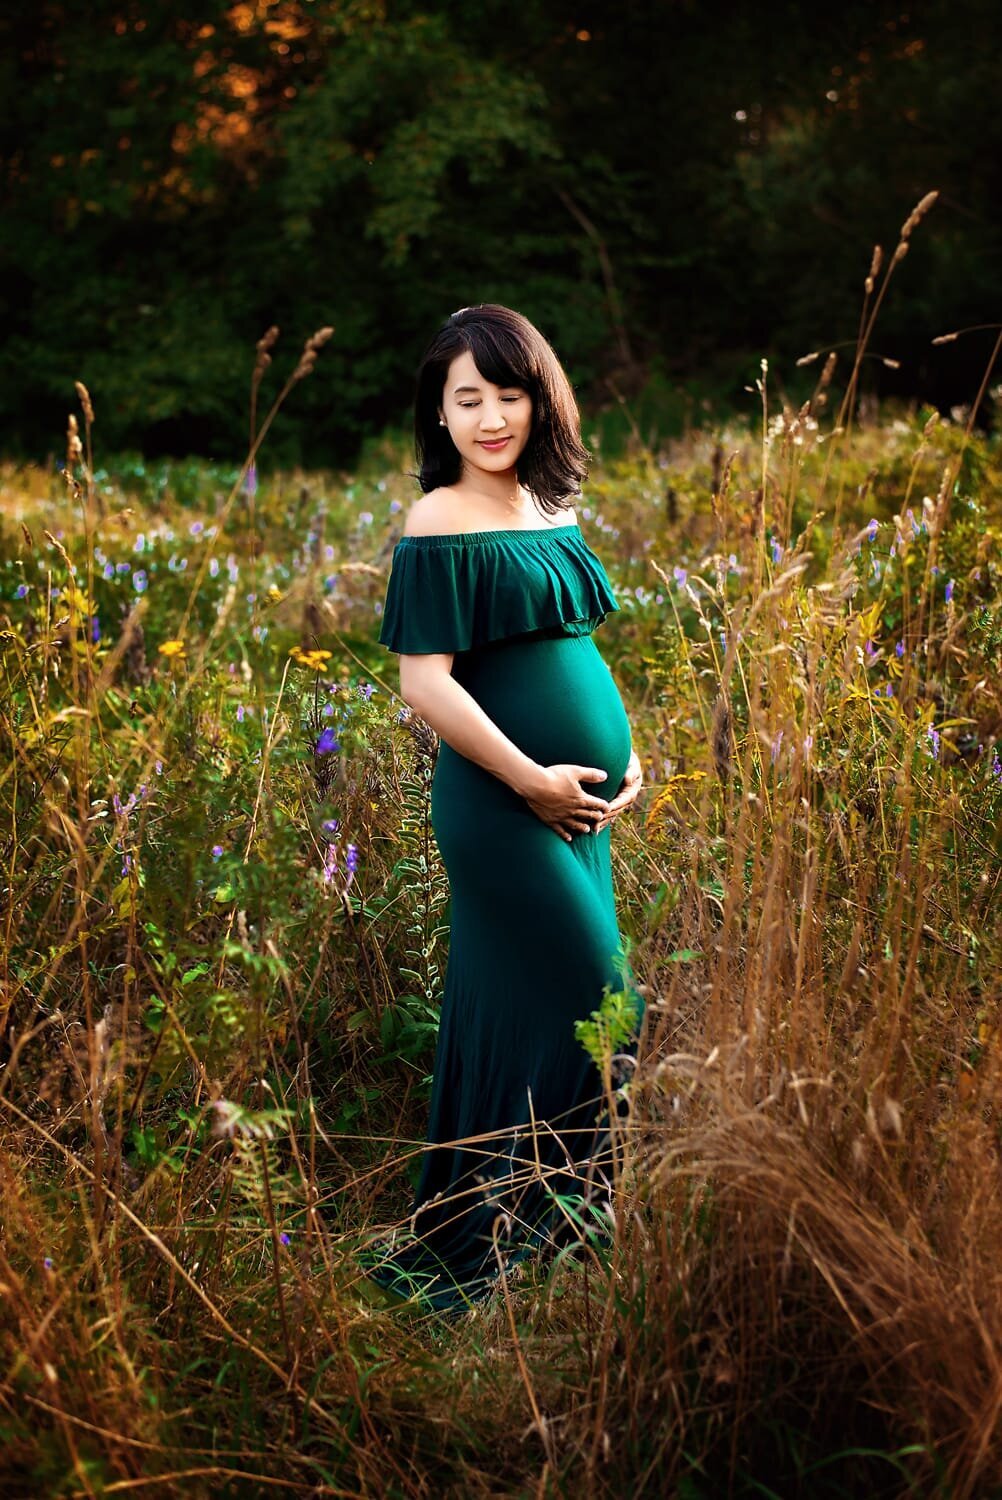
<point x="534" y="938"/>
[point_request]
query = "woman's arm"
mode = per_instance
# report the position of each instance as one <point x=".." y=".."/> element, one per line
<point x="427" y="686"/>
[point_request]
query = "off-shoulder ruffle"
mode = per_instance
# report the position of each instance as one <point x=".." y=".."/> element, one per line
<point x="459" y="591"/>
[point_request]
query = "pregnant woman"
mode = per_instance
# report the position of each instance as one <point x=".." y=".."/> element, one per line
<point x="492" y="599"/>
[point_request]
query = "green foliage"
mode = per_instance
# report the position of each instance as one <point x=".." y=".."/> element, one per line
<point x="178" y="182"/>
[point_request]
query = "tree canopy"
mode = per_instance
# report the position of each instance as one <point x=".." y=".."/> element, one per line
<point x="670" y="191"/>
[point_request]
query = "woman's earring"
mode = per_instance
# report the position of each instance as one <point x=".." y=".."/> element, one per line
<point x="441" y="422"/>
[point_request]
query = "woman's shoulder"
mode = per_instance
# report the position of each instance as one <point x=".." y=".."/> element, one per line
<point x="433" y="514"/>
<point x="442" y="513"/>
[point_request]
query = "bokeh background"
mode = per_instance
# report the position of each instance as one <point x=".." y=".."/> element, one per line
<point x="670" y="190"/>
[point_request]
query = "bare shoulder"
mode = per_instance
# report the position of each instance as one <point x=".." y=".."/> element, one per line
<point x="432" y="514"/>
<point x="569" y="517"/>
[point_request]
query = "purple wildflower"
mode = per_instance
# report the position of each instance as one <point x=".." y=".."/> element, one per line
<point x="240" y="713"/>
<point x="680" y="575"/>
<point x="48" y="1262"/>
<point x="284" y="1239"/>
<point x="775" y="746"/>
<point x="20" y="591"/>
<point x="934" y="738"/>
<point x="871" y="530"/>
<point x="777" y="549"/>
<point x="949" y="591"/>
<point x="365" y="690"/>
<point x="330" y="825"/>
<point x="217" y="850"/>
<point x="326" y="743"/>
<point x="900" y="649"/>
<point x="250" y="482"/>
<point x="95" y="628"/>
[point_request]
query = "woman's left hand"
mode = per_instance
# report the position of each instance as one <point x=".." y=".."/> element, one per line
<point x="627" y="794"/>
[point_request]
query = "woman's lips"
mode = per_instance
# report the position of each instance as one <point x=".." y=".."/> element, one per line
<point x="494" y="443"/>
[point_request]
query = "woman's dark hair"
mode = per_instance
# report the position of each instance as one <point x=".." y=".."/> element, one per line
<point x="508" y="350"/>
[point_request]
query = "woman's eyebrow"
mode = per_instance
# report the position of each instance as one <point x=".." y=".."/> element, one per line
<point x="461" y="388"/>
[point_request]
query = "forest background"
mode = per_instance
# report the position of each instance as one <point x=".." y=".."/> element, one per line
<point x="670" y="190"/>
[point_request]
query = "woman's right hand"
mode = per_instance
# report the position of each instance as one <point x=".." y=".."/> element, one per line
<point x="560" y="801"/>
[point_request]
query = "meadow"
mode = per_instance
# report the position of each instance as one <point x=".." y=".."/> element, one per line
<point x="225" y="934"/>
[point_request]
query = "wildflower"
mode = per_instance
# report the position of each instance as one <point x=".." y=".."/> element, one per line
<point x="95" y="629"/>
<point x="330" y="863"/>
<point x="365" y="517"/>
<point x="213" y="567"/>
<point x="240" y="713"/>
<point x="326" y="743"/>
<point x="871" y="653"/>
<point x="808" y="744"/>
<point x="899" y="649"/>
<point x="949" y="591"/>
<point x="48" y="1263"/>
<point x="284" y="1239"/>
<point x="777" y="549"/>
<point x="196" y="528"/>
<point x="330" y="825"/>
<point x="680" y="575"/>
<point x="775" y="746"/>
<point x="871" y="530"/>
<point x="351" y="863"/>
<point x="997" y="765"/>
<point x="934" y="739"/>
<point x="171" y="648"/>
<point x="365" y="690"/>
<point x="889" y="691"/>
<point x="123" y="567"/>
<point x="139" y="581"/>
<point x="250" y="483"/>
<point x="395" y="505"/>
<point x="140" y="543"/>
<point x="20" y="591"/>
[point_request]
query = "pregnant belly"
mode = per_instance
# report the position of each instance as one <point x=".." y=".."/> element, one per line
<point x="555" y="698"/>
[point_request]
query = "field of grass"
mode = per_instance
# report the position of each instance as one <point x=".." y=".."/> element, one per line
<point x="224" y="938"/>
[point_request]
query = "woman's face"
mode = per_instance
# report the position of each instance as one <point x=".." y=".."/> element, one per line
<point x="489" y="424"/>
